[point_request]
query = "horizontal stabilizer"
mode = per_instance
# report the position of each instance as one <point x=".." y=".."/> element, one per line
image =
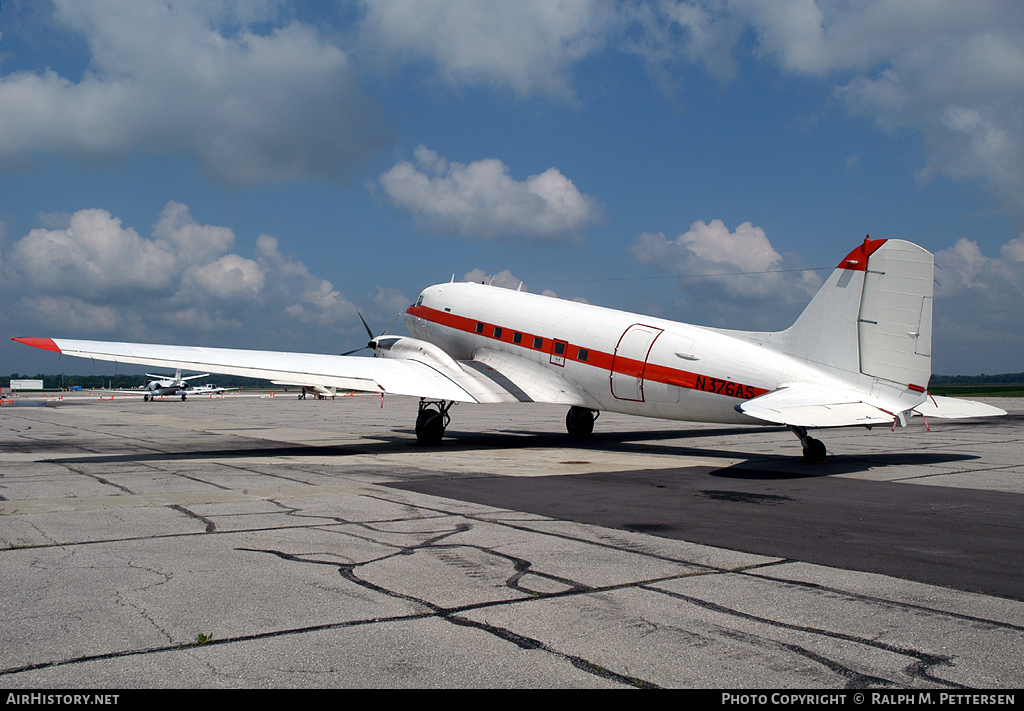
<point x="805" y="405"/>
<point x="954" y="409"/>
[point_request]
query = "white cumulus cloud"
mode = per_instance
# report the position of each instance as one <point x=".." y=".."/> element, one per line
<point x="191" y="242"/>
<point x="253" y="94"/>
<point x="977" y="308"/>
<point x="98" y="278"/>
<point x="505" y="279"/>
<point x="950" y="71"/>
<point x="195" y="78"/>
<point x="481" y="200"/>
<point x="306" y="299"/>
<point x="229" y="279"/>
<point x="95" y="258"/>
<point x="731" y="279"/>
<point x="528" y="46"/>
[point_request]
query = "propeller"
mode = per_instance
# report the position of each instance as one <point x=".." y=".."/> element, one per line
<point x="372" y="345"/>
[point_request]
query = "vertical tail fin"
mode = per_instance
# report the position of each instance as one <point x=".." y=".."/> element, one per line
<point x="873" y="316"/>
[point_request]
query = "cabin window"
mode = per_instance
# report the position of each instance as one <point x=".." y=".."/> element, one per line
<point x="582" y="354"/>
<point x="497" y="332"/>
<point x="517" y="338"/>
<point x="479" y="328"/>
<point x="538" y="342"/>
<point x="559" y="348"/>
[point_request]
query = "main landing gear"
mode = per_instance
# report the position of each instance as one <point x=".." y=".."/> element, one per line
<point x="814" y="449"/>
<point x="431" y="421"/>
<point x="579" y="421"/>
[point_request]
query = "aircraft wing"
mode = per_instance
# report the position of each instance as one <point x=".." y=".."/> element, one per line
<point x="381" y="375"/>
<point x="193" y="377"/>
<point x="805" y="405"/>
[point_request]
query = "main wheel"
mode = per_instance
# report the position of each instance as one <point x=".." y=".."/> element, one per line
<point x="579" y="421"/>
<point x="814" y="450"/>
<point x="429" y="427"/>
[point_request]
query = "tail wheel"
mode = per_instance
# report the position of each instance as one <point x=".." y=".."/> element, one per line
<point x="814" y="449"/>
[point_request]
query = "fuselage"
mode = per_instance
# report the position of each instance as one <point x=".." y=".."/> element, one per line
<point x="162" y="388"/>
<point x="610" y="360"/>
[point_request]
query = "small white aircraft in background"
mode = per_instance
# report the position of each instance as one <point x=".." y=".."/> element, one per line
<point x="859" y="354"/>
<point x="165" y="385"/>
<point x="209" y="389"/>
<point x="317" y="391"/>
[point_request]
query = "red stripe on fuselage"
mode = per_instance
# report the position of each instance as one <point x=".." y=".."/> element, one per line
<point x="595" y="358"/>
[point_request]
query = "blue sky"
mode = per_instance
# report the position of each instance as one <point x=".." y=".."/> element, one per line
<point x="249" y="174"/>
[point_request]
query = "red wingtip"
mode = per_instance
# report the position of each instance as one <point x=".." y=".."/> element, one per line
<point x="46" y="344"/>
<point x="858" y="258"/>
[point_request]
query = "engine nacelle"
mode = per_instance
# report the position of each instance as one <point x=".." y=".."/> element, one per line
<point x="406" y="348"/>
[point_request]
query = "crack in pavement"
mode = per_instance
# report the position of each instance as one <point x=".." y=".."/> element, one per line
<point x="921" y="668"/>
<point x="918" y="669"/>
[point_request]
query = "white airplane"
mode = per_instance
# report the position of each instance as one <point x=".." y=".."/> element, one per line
<point x="167" y="385"/>
<point x="859" y="355"/>
<point x="209" y="389"/>
<point x="317" y="391"/>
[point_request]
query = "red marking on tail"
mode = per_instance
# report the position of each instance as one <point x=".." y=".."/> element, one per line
<point x="857" y="260"/>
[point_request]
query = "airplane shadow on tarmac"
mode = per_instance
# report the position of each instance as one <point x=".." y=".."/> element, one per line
<point x="757" y="465"/>
<point x="959" y="538"/>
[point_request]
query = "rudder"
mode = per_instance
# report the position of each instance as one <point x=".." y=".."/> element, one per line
<point x="895" y="321"/>
<point x="873" y="316"/>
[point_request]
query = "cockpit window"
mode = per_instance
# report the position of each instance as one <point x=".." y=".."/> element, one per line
<point x="419" y="301"/>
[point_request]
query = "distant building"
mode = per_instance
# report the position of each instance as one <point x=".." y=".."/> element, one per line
<point x="26" y="384"/>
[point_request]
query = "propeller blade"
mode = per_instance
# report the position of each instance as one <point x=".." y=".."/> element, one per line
<point x="393" y="322"/>
<point x="373" y="339"/>
<point x="368" y="331"/>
